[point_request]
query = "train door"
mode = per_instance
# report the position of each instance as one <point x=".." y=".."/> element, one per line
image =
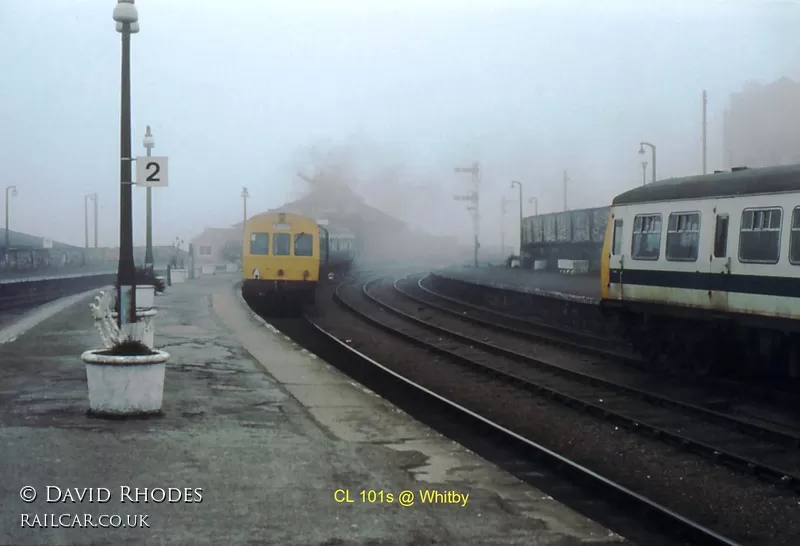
<point x="720" y="263"/>
<point x="616" y="260"/>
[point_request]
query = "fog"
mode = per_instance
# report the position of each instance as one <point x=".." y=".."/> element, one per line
<point x="387" y="98"/>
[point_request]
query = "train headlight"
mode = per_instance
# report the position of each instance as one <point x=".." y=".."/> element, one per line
<point x="280" y="272"/>
<point x="305" y="275"/>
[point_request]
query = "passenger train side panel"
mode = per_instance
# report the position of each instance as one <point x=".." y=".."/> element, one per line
<point x="689" y="254"/>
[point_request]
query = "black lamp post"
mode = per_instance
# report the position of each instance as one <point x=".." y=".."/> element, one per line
<point x="126" y="17"/>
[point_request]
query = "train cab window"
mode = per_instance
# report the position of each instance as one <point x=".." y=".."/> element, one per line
<point x="760" y="237"/>
<point x="303" y="244"/>
<point x="721" y="236"/>
<point x="281" y="244"/>
<point x="646" y="237"/>
<point x="259" y="243"/>
<point x="794" y="238"/>
<point x="683" y="236"/>
<point x="616" y="243"/>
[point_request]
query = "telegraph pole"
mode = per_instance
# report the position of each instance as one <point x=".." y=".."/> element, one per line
<point x="245" y="195"/>
<point x="566" y="179"/>
<point x="95" y="220"/>
<point x="474" y="200"/>
<point x="705" y="102"/>
<point x="86" y="220"/>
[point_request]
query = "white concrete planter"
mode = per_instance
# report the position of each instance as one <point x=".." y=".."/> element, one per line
<point x="209" y="269"/>
<point x="125" y="385"/>
<point x="145" y="296"/>
<point x="163" y="280"/>
<point x="231" y="268"/>
<point x="178" y="275"/>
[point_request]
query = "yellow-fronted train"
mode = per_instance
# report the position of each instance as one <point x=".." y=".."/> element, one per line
<point x="285" y="256"/>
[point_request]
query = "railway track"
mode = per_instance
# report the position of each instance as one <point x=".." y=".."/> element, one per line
<point x="750" y="400"/>
<point x="352" y="297"/>
<point x="767" y="452"/>
<point x="784" y="395"/>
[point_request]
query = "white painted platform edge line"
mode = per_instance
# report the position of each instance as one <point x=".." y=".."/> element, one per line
<point x="39" y="314"/>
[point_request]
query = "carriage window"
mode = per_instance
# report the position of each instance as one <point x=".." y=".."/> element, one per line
<point x="759" y="240"/>
<point x="721" y="236"/>
<point x="646" y="237"/>
<point x="281" y="243"/>
<point x="259" y="243"/>
<point x="616" y="244"/>
<point x="794" y="239"/>
<point x="303" y="244"/>
<point x="683" y="237"/>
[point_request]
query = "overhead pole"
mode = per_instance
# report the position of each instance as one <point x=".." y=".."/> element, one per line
<point x="705" y="142"/>
<point x="566" y="179"/>
<point x="474" y="199"/>
<point x="245" y="195"/>
<point x="95" y="220"/>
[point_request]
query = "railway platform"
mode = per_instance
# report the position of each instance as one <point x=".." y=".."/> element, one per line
<point x="260" y="441"/>
<point x="580" y="288"/>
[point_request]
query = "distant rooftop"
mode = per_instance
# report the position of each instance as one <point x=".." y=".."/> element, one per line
<point x="25" y="241"/>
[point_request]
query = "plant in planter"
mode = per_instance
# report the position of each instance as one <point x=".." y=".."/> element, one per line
<point x="126" y="377"/>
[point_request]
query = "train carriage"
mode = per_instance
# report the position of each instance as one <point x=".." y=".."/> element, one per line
<point x="286" y="255"/>
<point x="710" y="266"/>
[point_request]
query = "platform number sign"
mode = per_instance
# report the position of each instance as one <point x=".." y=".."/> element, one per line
<point x="151" y="171"/>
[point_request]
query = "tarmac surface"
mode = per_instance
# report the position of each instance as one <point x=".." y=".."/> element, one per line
<point x="584" y="288"/>
<point x="257" y="437"/>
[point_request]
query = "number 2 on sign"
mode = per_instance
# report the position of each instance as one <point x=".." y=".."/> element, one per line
<point x="152" y="176"/>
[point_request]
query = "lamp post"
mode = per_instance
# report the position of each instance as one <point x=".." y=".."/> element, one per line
<point x="535" y="202"/>
<point x="653" y="149"/>
<point x="12" y="190"/>
<point x="149" y="143"/>
<point x="513" y="182"/>
<point x="86" y="199"/>
<point x="644" y="172"/>
<point x="503" y="210"/>
<point x="126" y="18"/>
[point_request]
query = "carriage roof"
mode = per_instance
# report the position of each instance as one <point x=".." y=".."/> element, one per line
<point x="760" y="181"/>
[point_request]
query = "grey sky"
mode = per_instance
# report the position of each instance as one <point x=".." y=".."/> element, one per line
<point x="238" y="91"/>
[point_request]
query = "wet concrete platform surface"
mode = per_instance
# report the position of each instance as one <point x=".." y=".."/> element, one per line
<point x="580" y="288"/>
<point x="256" y="439"/>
